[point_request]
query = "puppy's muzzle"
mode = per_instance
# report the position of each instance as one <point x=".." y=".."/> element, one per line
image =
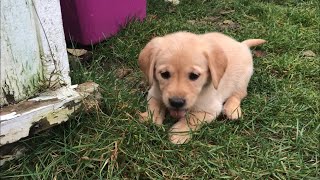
<point x="177" y="102"/>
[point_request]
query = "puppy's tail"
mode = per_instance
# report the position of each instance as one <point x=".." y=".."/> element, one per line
<point x="253" y="42"/>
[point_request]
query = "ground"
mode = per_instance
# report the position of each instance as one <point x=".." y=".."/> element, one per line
<point x="278" y="137"/>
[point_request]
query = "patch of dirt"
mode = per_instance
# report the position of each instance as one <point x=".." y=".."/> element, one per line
<point x="218" y="21"/>
<point x="278" y="73"/>
<point x="12" y="151"/>
<point x="212" y="19"/>
<point x="82" y="56"/>
<point x="228" y="24"/>
<point x="259" y="53"/>
<point x="209" y="20"/>
<point x="224" y="12"/>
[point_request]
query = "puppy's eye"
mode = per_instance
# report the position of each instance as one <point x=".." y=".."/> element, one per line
<point x="165" y="75"/>
<point x="193" y="76"/>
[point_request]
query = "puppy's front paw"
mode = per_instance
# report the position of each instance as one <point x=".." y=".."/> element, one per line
<point x="143" y="117"/>
<point x="232" y="113"/>
<point x="179" y="137"/>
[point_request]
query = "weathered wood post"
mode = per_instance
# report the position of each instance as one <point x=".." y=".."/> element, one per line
<point x="34" y="63"/>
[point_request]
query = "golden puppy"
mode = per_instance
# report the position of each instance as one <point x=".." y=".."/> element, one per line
<point x="195" y="77"/>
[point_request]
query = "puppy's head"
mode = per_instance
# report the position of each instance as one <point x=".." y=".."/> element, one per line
<point x="181" y="65"/>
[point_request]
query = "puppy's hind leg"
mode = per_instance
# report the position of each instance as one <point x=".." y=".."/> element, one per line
<point x="232" y="108"/>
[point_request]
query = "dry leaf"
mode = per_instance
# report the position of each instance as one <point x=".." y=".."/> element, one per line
<point x="228" y="22"/>
<point x="114" y="152"/>
<point x="308" y="53"/>
<point x="89" y="165"/>
<point x="226" y="12"/>
<point x="152" y="17"/>
<point x="77" y="52"/>
<point x="174" y="2"/>
<point x="191" y="21"/>
<point x="123" y="72"/>
<point x="85" y="158"/>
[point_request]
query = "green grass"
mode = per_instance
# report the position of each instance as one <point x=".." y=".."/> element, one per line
<point x="278" y="137"/>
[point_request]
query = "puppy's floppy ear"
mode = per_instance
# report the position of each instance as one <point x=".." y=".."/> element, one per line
<point x="217" y="62"/>
<point x="147" y="59"/>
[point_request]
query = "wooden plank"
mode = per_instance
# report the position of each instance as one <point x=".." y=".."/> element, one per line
<point x="46" y="110"/>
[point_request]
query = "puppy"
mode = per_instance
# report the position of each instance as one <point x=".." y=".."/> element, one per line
<point x="195" y="78"/>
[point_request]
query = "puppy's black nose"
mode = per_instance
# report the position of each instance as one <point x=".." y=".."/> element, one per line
<point x="177" y="102"/>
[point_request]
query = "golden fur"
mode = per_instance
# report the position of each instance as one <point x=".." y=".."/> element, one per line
<point x="195" y="77"/>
